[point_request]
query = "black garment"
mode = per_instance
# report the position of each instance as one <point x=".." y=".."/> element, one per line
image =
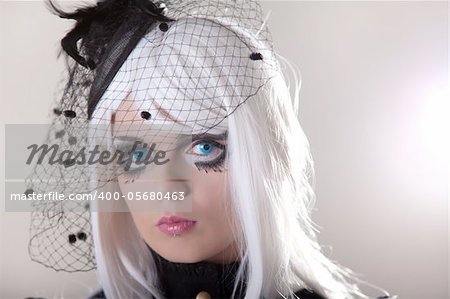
<point x="185" y="281"/>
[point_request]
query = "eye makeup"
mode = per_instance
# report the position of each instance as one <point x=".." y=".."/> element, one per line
<point x="206" y="151"/>
<point x="207" y="154"/>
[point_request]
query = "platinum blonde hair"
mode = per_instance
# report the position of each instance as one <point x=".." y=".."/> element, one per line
<point x="271" y="175"/>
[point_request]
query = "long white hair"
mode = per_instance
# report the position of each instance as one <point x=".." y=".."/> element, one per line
<point x="271" y="179"/>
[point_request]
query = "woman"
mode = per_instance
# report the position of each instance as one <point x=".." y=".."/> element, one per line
<point x="200" y="81"/>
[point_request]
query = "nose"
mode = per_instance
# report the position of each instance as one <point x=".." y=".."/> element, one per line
<point x="175" y="171"/>
<point x="173" y="177"/>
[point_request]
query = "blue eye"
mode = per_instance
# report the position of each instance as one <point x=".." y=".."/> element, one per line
<point x="140" y="154"/>
<point x="208" y="155"/>
<point x="205" y="147"/>
<point x="206" y="151"/>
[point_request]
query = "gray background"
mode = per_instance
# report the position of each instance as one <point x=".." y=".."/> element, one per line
<point x="374" y="90"/>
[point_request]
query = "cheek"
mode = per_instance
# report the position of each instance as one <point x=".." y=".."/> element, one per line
<point x="211" y="199"/>
<point x="145" y="223"/>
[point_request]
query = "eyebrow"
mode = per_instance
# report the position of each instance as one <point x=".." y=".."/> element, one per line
<point x="194" y="136"/>
<point x="208" y="135"/>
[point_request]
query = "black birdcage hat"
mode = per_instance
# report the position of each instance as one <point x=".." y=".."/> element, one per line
<point x="121" y="45"/>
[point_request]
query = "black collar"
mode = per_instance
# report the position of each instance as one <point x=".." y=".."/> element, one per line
<point x="186" y="280"/>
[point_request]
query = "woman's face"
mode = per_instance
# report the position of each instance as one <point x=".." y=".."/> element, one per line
<point x="208" y="235"/>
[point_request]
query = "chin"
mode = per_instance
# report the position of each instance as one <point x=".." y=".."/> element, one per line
<point x="184" y="259"/>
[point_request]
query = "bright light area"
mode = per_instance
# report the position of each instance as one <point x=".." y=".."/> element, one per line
<point x="434" y="124"/>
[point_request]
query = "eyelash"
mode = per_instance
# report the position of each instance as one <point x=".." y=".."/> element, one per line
<point x="216" y="165"/>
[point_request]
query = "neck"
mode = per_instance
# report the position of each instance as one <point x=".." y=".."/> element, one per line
<point x="228" y="255"/>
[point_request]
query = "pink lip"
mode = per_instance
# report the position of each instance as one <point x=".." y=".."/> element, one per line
<point x="174" y="225"/>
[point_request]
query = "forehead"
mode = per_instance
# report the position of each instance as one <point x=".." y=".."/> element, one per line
<point x="127" y="121"/>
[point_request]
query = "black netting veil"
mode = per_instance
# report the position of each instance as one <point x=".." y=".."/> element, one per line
<point x="178" y="67"/>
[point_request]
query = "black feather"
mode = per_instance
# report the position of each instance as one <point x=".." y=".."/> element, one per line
<point x="96" y="24"/>
<point x="69" y="44"/>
